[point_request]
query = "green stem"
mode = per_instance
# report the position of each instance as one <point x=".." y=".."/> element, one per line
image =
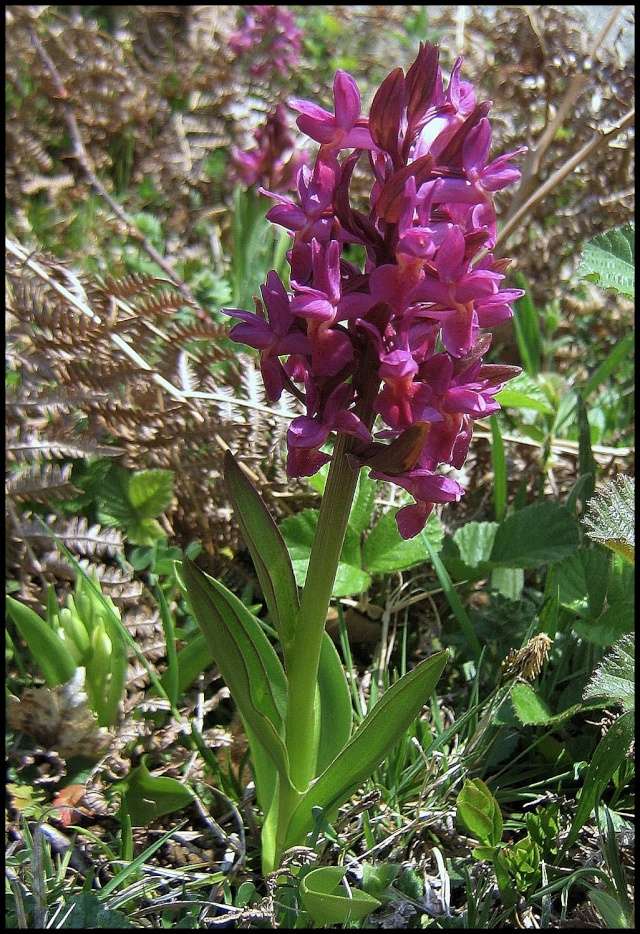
<point x="305" y="653"/>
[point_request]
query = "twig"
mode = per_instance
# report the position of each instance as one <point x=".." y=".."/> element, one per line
<point x="81" y="155"/>
<point x="533" y="160"/>
<point x="559" y="176"/>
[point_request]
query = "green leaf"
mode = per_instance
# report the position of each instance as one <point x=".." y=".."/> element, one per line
<point x="499" y="466"/>
<point x="475" y="541"/>
<point x="524" y="393"/>
<point x="321" y="896"/>
<point x="582" y="581"/>
<point x="587" y="467"/>
<point x="609" y="260"/>
<point x="299" y="532"/>
<point x="144" y="531"/>
<point x="386" y="551"/>
<point x="246" y="660"/>
<point x="508" y="582"/>
<point x="614" y="679"/>
<point x="150" y="492"/>
<point x="133" y="500"/>
<point x="611" y="910"/>
<point x="268" y="550"/>
<point x="526" y="322"/>
<point x="455" y="603"/>
<point x="609" y="753"/>
<point x="84" y="912"/>
<point x="532" y="710"/>
<point x="616" y="621"/>
<point x="47" y="648"/>
<point x="194" y="658"/>
<point x="171" y="677"/>
<point x="538" y="534"/>
<point x="336" y="715"/>
<point x="376" y="735"/>
<point x="479" y="811"/>
<point x="148" y="797"/>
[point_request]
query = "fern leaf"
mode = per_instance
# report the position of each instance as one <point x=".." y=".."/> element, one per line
<point x="42" y="483"/>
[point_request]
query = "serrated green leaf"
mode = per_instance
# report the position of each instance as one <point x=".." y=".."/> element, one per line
<point x="533" y="710"/>
<point x="614" y="679"/>
<point x="150" y="492"/>
<point x="268" y="550"/>
<point x="328" y="902"/>
<point x="386" y="551"/>
<point x="609" y="260"/>
<point x="479" y="811"/>
<point x="144" y="531"/>
<point x="376" y="735"/>
<point x="148" y="797"/>
<point x="538" y="534"/>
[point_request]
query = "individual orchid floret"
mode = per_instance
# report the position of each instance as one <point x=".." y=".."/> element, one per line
<point x="309" y="432"/>
<point x="274" y="337"/>
<point x="342" y="129"/>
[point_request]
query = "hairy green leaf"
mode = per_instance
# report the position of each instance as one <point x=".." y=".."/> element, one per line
<point x="609" y="260"/>
<point x="614" y="679"/>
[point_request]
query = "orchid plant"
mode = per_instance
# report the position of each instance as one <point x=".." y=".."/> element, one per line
<point x="387" y="358"/>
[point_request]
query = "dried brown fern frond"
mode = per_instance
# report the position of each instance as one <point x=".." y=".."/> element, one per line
<point x="101" y="397"/>
<point x="41" y="483"/>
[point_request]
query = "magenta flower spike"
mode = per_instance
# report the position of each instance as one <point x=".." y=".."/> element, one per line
<point x="390" y="353"/>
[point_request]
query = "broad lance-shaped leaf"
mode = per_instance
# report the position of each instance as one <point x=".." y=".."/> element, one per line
<point x="336" y="715"/>
<point x="328" y="903"/>
<point x="380" y="730"/>
<point x="245" y="658"/>
<point x="268" y="550"/>
<point x="49" y="651"/>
